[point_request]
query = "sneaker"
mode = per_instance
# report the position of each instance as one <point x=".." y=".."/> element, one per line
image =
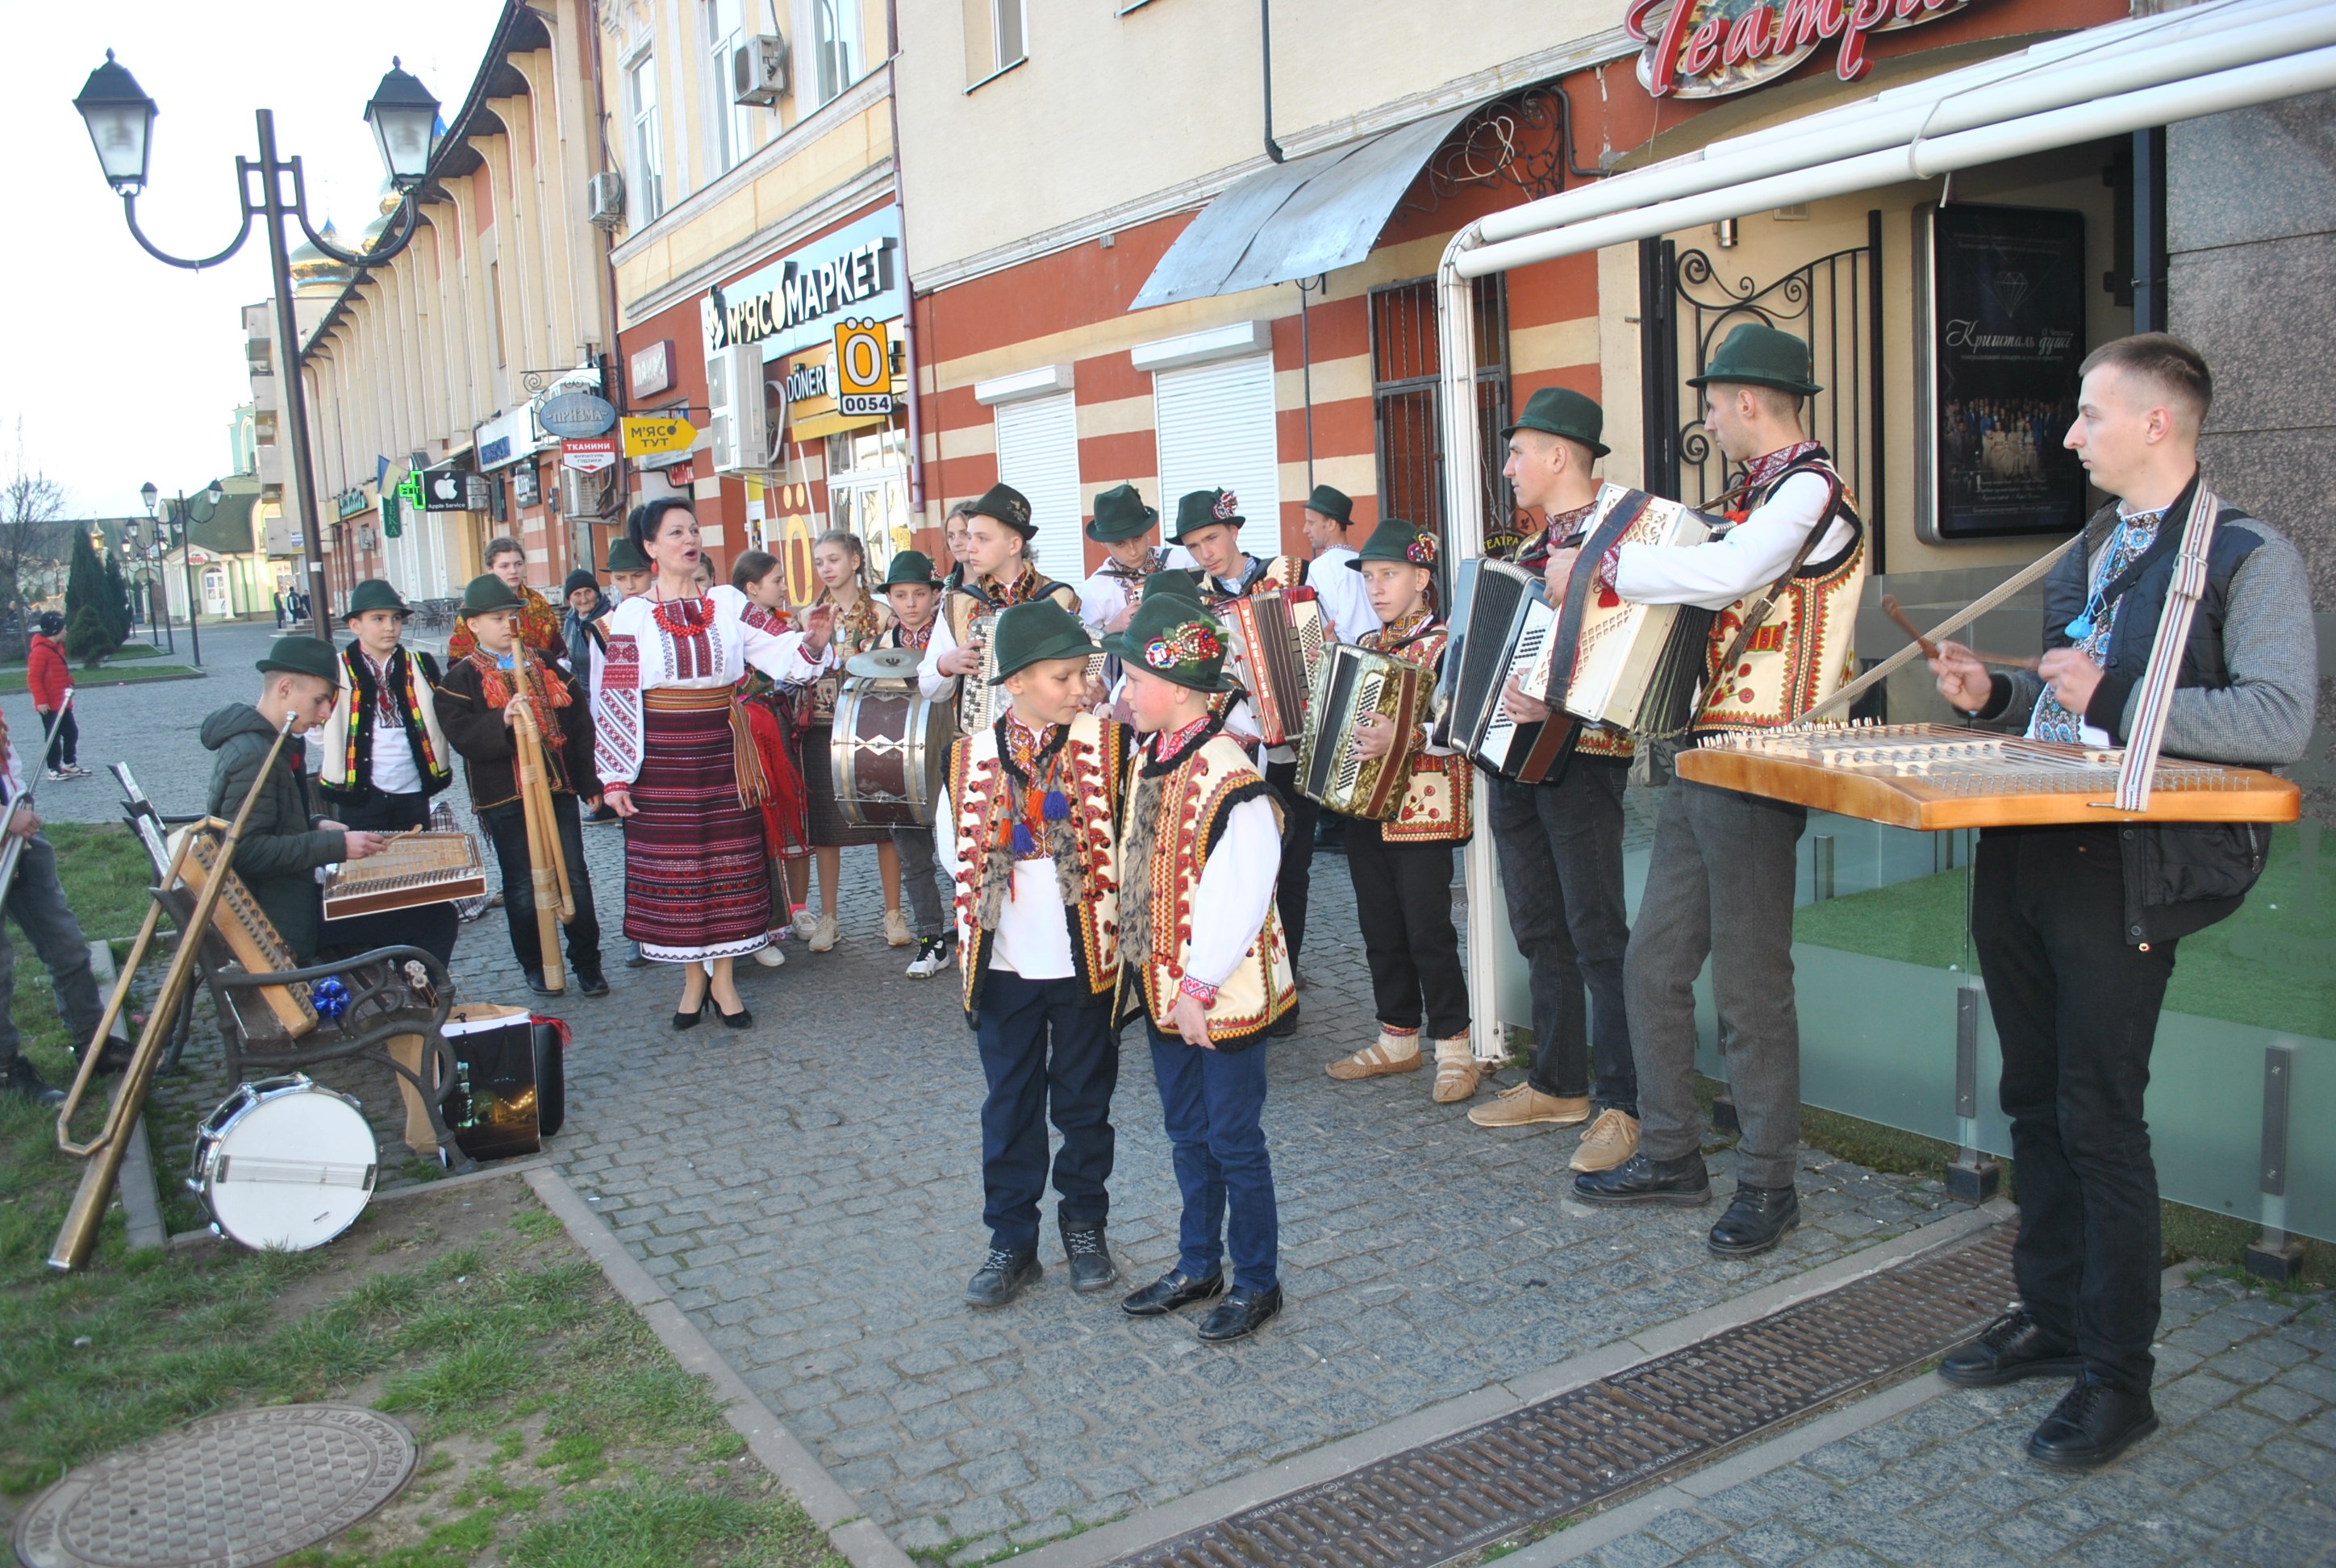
<point x="823" y="934"/>
<point x="932" y="958"/>
<point x="897" y="933"/>
<point x="1526" y="1107"/>
<point x="768" y="954"/>
<point x="75" y="769"/>
<point x="54" y="774"/>
<point x="806" y="923"/>
<point x="1612" y="1139"/>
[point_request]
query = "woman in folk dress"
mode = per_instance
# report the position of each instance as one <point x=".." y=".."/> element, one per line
<point x="679" y="764"/>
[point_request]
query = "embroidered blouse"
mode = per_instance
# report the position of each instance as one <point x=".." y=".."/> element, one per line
<point x="692" y="644"/>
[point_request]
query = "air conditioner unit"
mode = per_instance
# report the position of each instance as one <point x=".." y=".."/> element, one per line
<point x="758" y="69"/>
<point x="741" y="427"/>
<point x="605" y="199"/>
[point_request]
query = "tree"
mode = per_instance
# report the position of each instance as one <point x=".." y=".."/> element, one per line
<point x="87" y="639"/>
<point x="117" y="599"/>
<point x="32" y="545"/>
<point x="87" y="589"/>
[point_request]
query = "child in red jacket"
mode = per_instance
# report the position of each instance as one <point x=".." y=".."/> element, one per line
<point x="50" y="678"/>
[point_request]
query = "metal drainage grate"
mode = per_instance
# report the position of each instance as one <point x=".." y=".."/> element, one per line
<point x="1541" y="1463"/>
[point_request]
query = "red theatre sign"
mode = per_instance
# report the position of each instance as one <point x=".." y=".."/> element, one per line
<point x="1711" y="48"/>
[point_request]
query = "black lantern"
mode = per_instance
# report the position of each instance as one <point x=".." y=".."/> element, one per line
<point x="404" y="121"/>
<point x="121" y="120"/>
<point x="148" y="494"/>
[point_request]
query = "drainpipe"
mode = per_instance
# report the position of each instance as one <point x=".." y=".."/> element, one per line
<point x="908" y="290"/>
<point x="1265" y="51"/>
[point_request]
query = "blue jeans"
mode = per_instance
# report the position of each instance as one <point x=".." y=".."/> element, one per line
<point x="1213" y="1102"/>
<point x="1047" y="1049"/>
<point x="36" y="902"/>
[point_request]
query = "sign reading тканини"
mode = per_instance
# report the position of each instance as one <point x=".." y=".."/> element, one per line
<point x="1711" y="48"/>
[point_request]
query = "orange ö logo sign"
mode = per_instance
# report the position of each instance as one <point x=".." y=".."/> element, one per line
<point x="1711" y="48"/>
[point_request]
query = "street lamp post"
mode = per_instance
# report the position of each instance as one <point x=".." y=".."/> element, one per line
<point x="155" y="591"/>
<point x="405" y="119"/>
<point x="210" y="496"/>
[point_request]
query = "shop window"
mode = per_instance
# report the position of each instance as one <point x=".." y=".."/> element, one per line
<point x="868" y="489"/>
<point x="1215" y="427"/>
<point x="649" y="146"/>
<point x="837" y="56"/>
<point x="1038" y="454"/>
<point x="730" y="131"/>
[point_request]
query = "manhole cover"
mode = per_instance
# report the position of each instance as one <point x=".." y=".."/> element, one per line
<point x="233" y="1490"/>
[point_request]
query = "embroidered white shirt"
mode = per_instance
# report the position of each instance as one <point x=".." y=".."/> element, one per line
<point x="1344" y="603"/>
<point x="642" y="656"/>
<point x="1105" y="593"/>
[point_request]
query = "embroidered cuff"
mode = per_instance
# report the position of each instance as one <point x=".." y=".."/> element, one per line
<point x="1199" y="991"/>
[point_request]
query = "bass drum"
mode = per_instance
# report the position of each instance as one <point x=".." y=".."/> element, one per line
<point x="889" y="753"/>
<point x="284" y="1164"/>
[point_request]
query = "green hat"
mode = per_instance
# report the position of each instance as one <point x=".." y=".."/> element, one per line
<point x="1396" y="539"/>
<point x="911" y="569"/>
<point x="302" y="656"/>
<point x="1562" y="411"/>
<point x="1171" y="579"/>
<point x="624" y="555"/>
<point x="1334" y="503"/>
<point x="1008" y="506"/>
<point x="1758" y="356"/>
<point x="1206" y="509"/>
<point x="487" y="594"/>
<point x="1120" y="514"/>
<point x="1174" y="638"/>
<point x="1035" y="629"/>
<point x="372" y="593"/>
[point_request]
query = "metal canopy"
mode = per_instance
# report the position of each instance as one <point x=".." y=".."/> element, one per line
<point x="1310" y="215"/>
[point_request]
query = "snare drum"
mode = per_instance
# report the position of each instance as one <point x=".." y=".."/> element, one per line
<point x="285" y="1163"/>
<point x="890" y="749"/>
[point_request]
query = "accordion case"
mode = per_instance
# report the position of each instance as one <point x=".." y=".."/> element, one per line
<point x="1636" y="666"/>
<point x="1500" y="626"/>
<point x="1351" y="683"/>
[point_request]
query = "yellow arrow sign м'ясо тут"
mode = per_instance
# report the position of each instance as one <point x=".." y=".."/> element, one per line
<point x="654" y="436"/>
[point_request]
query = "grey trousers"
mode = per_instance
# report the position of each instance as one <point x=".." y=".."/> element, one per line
<point x="927" y="908"/>
<point x="1719" y="885"/>
<point x="36" y="902"/>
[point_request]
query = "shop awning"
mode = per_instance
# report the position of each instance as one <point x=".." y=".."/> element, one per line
<point x="1310" y="215"/>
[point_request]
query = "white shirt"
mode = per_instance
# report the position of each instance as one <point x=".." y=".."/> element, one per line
<point x="1105" y="594"/>
<point x="1235" y="892"/>
<point x="1033" y="938"/>
<point x="394" y="773"/>
<point x="1754" y="553"/>
<point x="937" y="686"/>
<point x="1344" y="603"/>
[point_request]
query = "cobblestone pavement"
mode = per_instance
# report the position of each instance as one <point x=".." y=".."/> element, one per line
<point x="2241" y="1474"/>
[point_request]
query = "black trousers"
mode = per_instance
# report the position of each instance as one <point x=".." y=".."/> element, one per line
<point x="1048" y="1050"/>
<point x="506" y="826"/>
<point x="2076" y="1006"/>
<point x="1403" y="894"/>
<point x="1298" y="815"/>
<point x="65" y="746"/>
<point x="433" y="928"/>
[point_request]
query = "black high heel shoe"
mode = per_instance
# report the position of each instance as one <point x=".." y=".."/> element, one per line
<point x="737" y="1020"/>
<point x="691" y="1020"/>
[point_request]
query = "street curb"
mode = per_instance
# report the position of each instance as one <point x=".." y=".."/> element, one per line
<point x="831" y="1507"/>
<point x="80" y="684"/>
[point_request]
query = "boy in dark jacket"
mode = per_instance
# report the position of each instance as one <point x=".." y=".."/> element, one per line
<point x="476" y="703"/>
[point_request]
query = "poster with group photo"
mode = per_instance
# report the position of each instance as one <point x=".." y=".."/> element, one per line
<point x="2007" y="335"/>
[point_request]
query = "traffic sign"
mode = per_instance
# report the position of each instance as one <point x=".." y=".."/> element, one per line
<point x="589" y="455"/>
<point x="657" y="434"/>
<point x="863" y="368"/>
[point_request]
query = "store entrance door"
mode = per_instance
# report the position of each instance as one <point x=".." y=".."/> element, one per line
<point x="868" y="491"/>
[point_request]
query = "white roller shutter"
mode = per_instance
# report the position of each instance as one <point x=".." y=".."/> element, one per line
<point x="1216" y="429"/>
<point x="1038" y="454"/>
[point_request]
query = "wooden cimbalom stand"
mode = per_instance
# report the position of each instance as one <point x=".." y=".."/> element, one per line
<point x="1936" y="777"/>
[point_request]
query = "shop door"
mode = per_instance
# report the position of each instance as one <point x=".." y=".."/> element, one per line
<point x="868" y="491"/>
<point x="1406" y="406"/>
<point x="1688" y="306"/>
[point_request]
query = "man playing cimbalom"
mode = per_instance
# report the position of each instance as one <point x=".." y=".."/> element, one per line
<point x="2076" y="926"/>
<point x="1720" y="878"/>
<point x="1560" y="842"/>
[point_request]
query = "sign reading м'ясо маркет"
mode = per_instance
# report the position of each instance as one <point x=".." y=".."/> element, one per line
<point x="791" y="305"/>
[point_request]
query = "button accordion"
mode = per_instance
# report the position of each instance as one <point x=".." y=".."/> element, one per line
<point x="1638" y="667"/>
<point x="1501" y="622"/>
<point x="1277" y="648"/>
<point x="1354" y="681"/>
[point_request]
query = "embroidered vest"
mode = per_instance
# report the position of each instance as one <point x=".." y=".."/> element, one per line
<point x="353" y="728"/>
<point x="1802" y="653"/>
<point x="1095" y="755"/>
<point x="1175" y="816"/>
<point x="1276" y="573"/>
<point x="1440" y="793"/>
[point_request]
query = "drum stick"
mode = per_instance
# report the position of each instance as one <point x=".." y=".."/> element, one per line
<point x="1931" y="649"/>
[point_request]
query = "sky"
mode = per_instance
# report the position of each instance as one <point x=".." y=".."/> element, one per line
<point x="119" y="369"/>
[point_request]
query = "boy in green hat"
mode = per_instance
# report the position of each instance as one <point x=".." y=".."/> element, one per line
<point x="1027" y="828"/>
<point x="627" y="568"/>
<point x="480" y="693"/>
<point x="1328" y="514"/>
<point x="1204" y="961"/>
<point x="1123" y="525"/>
<point x="1720" y="884"/>
<point x="913" y="590"/>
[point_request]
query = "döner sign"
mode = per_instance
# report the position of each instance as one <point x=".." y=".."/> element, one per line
<point x="1711" y="48"/>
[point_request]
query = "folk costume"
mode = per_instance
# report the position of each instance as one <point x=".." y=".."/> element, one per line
<point x="472" y="698"/>
<point x="2077" y="930"/>
<point x="539" y="630"/>
<point x="1121" y="515"/>
<point x="1298" y="814"/>
<point x="969" y="609"/>
<point x="919" y="870"/>
<point x="668" y="730"/>
<point x="1345" y="605"/>
<point x="1402" y="867"/>
<point x="1196" y="919"/>
<point x="1032" y="845"/>
<point x="1719" y="885"/>
<point x="1559" y="847"/>
<point x="856" y="630"/>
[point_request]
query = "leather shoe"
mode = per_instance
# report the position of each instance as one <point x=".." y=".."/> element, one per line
<point x="1683" y="1182"/>
<point x="1755" y="1221"/>
<point x="1003" y="1275"/>
<point x="1242" y="1313"/>
<point x="2013" y="1346"/>
<point x="2091" y="1426"/>
<point x="24" y="1083"/>
<point x="690" y="1020"/>
<point x="592" y="982"/>
<point x="1171" y="1291"/>
<point x="1090" y="1258"/>
<point x="535" y="983"/>
<point x="742" y="1019"/>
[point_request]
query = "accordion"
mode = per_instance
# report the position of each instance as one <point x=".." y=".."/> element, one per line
<point x="979" y="704"/>
<point x="1277" y="647"/>
<point x="1351" y="683"/>
<point x="1636" y="666"/>
<point x="1500" y="626"/>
